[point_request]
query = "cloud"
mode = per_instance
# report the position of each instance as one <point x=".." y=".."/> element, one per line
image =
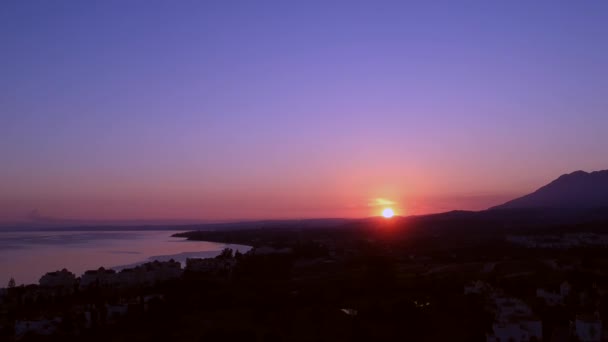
<point x="380" y="202"/>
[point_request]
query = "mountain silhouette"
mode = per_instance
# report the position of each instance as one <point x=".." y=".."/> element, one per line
<point x="576" y="190"/>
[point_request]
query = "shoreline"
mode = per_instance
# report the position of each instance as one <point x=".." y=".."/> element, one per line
<point x="82" y="251"/>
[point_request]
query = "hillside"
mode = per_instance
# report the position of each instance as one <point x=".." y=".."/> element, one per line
<point x="577" y="190"/>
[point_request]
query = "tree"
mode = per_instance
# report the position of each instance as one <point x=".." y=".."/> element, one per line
<point x="11" y="283"/>
<point x="226" y="254"/>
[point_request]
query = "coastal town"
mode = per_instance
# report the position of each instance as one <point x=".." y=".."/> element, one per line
<point x="38" y="307"/>
<point x="368" y="282"/>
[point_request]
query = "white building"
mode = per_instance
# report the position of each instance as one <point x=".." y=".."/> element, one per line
<point x="101" y="277"/>
<point x="588" y="328"/>
<point x="38" y="327"/>
<point x="550" y="298"/>
<point x="563" y="241"/>
<point x="477" y="287"/>
<point x="554" y="298"/>
<point x="521" y="331"/>
<point x="514" y="321"/>
<point x="506" y="308"/>
<point x="162" y="271"/>
<point x="149" y="273"/>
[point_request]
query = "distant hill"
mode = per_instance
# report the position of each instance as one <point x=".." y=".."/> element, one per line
<point x="575" y="191"/>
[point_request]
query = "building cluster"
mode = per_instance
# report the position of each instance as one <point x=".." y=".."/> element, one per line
<point x="43" y="327"/>
<point x="555" y="298"/>
<point x="146" y="274"/>
<point x="142" y="275"/>
<point x="588" y="327"/>
<point x="514" y="320"/>
<point x="210" y="265"/>
<point x="88" y="315"/>
<point x="477" y="287"/>
<point x="59" y="279"/>
<point x="64" y="283"/>
<point x="562" y="241"/>
<point x="267" y="250"/>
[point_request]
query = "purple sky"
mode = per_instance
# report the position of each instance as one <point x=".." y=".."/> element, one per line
<point x="256" y="109"/>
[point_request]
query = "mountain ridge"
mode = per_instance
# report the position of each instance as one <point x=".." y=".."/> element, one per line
<point x="575" y="190"/>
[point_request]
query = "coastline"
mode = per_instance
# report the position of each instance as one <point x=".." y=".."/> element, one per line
<point x="27" y="256"/>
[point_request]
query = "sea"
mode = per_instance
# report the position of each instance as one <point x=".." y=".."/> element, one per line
<point x="26" y="256"/>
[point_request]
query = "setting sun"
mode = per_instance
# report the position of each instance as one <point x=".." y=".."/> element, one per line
<point x="388" y="213"/>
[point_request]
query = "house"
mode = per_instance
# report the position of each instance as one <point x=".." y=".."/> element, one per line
<point x="130" y="277"/>
<point x="210" y="265"/>
<point x="514" y="320"/>
<point x="99" y="277"/>
<point x="564" y="241"/>
<point x="588" y="328"/>
<point x="38" y="327"/>
<point x="477" y="287"/>
<point x="506" y="308"/>
<point x="58" y="279"/>
<point x="555" y="298"/>
<point x="517" y="331"/>
<point x="149" y="273"/>
<point x="162" y="271"/>
<point x="550" y="298"/>
<point x="350" y="312"/>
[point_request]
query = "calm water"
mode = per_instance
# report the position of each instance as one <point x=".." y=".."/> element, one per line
<point x="26" y="256"/>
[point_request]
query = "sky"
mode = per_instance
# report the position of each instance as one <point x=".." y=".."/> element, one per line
<point x="225" y="110"/>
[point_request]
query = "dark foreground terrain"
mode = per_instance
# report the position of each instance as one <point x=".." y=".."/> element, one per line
<point x="451" y="277"/>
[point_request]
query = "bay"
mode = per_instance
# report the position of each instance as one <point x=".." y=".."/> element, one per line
<point x="26" y="256"/>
